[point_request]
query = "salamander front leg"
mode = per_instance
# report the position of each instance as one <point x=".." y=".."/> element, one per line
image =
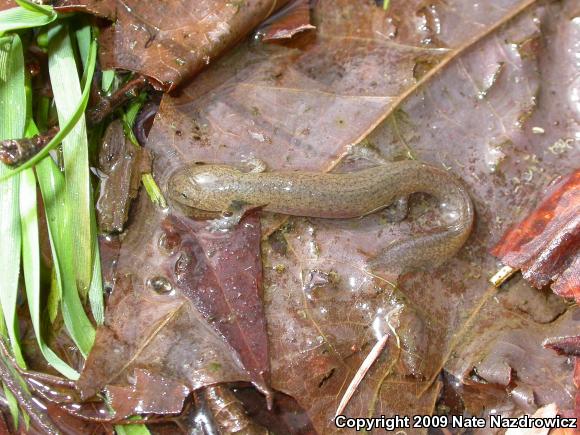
<point x="230" y="217"/>
<point x="255" y="164"/>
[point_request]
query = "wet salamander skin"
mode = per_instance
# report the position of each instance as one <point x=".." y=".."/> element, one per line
<point x="206" y="189"/>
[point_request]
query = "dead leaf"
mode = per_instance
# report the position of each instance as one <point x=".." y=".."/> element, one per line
<point x="151" y="324"/>
<point x="170" y="41"/>
<point x="548" y="411"/>
<point x="545" y="244"/>
<point x="6" y="4"/>
<point x="150" y="394"/>
<point x="506" y="349"/>
<point x="117" y="168"/>
<point x="371" y="71"/>
<point x="569" y="346"/>
<point x="286" y="416"/>
<point x="287" y="22"/>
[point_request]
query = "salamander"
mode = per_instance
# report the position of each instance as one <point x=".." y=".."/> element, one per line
<point x="210" y="191"/>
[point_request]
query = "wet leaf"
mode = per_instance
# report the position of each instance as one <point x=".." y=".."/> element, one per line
<point x="470" y="95"/>
<point x="287" y="22"/>
<point x="7" y="4"/>
<point x="545" y="244"/>
<point x="175" y="44"/>
<point x="505" y="349"/>
<point x="286" y="415"/>
<point x="564" y="345"/>
<point x="150" y="394"/>
<point x="120" y="177"/>
<point x="569" y="346"/>
<point x="194" y="315"/>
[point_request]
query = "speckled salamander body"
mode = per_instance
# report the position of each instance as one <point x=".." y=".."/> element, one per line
<point x="207" y="191"/>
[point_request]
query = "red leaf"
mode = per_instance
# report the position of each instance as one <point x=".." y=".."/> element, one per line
<point x="221" y="273"/>
<point x="160" y="318"/>
<point x="545" y="244"/>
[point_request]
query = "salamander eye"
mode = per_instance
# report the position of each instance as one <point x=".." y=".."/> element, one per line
<point x="183" y="194"/>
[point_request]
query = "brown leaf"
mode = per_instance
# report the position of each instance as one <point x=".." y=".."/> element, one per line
<point x="118" y="167"/>
<point x="221" y="274"/>
<point x="171" y="41"/>
<point x="301" y="108"/>
<point x="285" y="417"/>
<point x="160" y="334"/>
<point x="506" y="349"/>
<point x="287" y="22"/>
<point x="569" y="346"/>
<point x="7" y="4"/>
<point x="545" y="244"/>
<point x="150" y="394"/>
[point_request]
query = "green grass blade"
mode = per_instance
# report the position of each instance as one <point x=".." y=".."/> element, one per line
<point x="96" y="298"/>
<point x="25" y="18"/>
<point x="52" y="187"/>
<point x="107" y="79"/>
<point x="132" y="429"/>
<point x="35" y="7"/>
<point x="31" y="253"/>
<point x="31" y="267"/>
<point x="84" y="37"/>
<point x="153" y="190"/>
<point x="67" y="92"/>
<point x="129" y="116"/>
<point x="96" y="290"/>
<point x="12" y="124"/>
<point x="55" y="292"/>
<point x="12" y="405"/>
<point x="149" y="183"/>
<point x="70" y="123"/>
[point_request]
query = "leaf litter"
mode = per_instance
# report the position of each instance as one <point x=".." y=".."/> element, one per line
<point x="496" y="98"/>
<point x="172" y="46"/>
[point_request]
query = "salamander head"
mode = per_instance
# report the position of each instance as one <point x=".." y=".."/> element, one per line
<point x="205" y="188"/>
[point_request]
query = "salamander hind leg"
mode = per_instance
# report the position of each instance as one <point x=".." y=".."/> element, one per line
<point x="398" y="210"/>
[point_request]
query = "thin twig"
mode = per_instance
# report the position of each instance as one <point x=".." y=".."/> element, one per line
<point x="502" y="276"/>
<point x="14" y="152"/>
<point x="364" y="367"/>
<point x="107" y="105"/>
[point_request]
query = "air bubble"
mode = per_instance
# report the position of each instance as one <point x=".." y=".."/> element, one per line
<point x="160" y="285"/>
